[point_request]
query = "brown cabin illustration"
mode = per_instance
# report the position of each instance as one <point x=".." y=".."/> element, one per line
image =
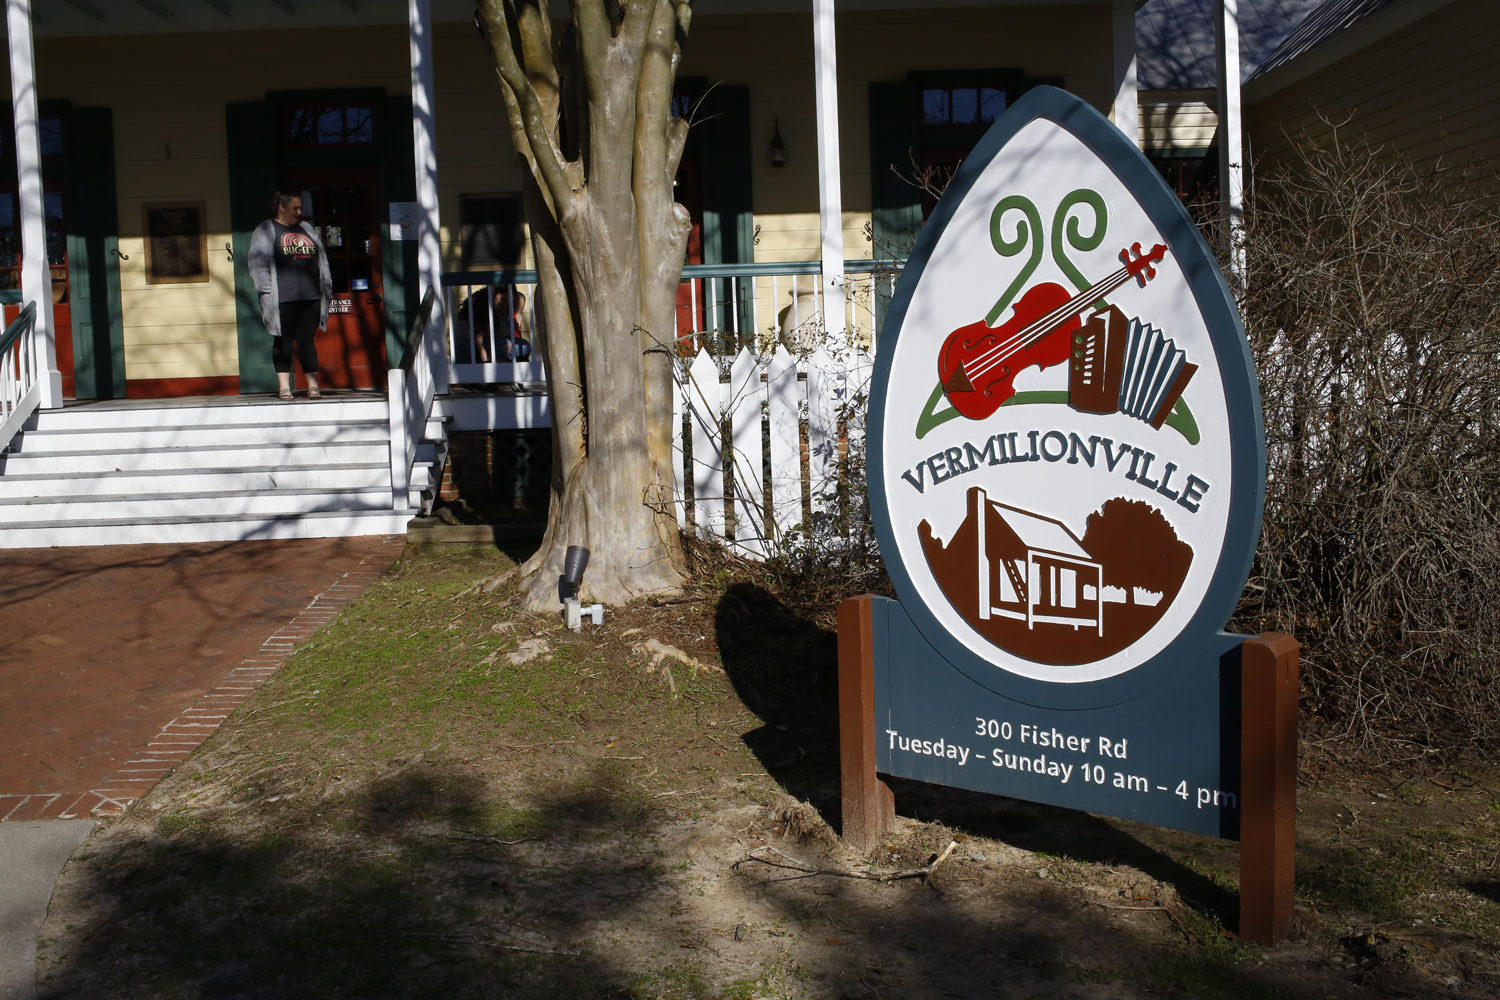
<point x="1032" y="568"/>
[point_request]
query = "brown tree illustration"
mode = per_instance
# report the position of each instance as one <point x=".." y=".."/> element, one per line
<point x="1137" y="547"/>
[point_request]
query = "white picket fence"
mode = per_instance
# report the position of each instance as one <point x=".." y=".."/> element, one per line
<point x="763" y="403"/>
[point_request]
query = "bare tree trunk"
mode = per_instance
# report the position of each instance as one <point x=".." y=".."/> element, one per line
<point x="608" y="241"/>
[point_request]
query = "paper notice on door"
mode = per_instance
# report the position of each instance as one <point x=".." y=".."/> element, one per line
<point x="404" y="220"/>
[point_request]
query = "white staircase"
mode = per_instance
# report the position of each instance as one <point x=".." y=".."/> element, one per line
<point x="205" y="470"/>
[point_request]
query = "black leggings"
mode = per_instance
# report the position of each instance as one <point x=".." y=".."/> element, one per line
<point x="299" y="323"/>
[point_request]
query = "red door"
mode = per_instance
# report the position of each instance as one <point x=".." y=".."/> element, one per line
<point x="691" y="310"/>
<point x="340" y="202"/>
<point x="57" y="260"/>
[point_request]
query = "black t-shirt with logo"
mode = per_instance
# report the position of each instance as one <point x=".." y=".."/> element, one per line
<point x="296" y="264"/>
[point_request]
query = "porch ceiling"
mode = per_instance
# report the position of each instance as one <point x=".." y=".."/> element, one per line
<point x="135" y="17"/>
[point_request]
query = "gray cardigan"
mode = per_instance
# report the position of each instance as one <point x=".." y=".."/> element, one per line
<point x="263" y="273"/>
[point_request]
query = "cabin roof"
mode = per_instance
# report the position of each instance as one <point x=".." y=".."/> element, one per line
<point x="1038" y="532"/>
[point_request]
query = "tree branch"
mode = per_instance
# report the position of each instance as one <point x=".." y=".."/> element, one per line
<point x="547" y="157"/>
<point x="640" y="17"/>
<point x="594" y="36"/>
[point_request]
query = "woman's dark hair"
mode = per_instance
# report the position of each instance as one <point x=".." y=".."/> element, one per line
<point x="281" y="199"/>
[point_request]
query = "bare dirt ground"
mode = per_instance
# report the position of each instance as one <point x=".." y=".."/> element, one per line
<point x="407" y="811"/>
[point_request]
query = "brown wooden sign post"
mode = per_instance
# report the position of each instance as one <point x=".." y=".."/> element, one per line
<point x="1268" y="765"/>
<point x="1268" y="786"/>
<point x="869" y="808"/>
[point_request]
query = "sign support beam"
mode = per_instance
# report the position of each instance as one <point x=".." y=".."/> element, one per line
<point x="1268" y="786"/>
<point x="869" y="807"/>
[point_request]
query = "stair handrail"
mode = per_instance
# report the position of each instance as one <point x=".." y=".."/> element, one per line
<point x="20" y="386"/>
<point x="411" y="389"/>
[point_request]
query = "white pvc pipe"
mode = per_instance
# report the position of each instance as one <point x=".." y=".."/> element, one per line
<point x="830" y="194"/>
<point x="1127" y="112"/>
<point x="1231" y="131"/>
<point x="36" y="276"/>
<point x="424" y="128"/>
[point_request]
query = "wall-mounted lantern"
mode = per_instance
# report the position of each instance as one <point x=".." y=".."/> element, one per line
<point x="778" y="146"/>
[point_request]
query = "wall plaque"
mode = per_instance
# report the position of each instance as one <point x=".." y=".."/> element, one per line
<point x="176" y="242"/>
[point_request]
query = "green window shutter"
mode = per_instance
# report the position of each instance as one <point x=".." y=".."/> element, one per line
<point x="728" y="196"/>
<point x="93" y="260"/>
<point x="252" y="181"/>
<point x="896" y="206"/>
<point x="398" y="180"/>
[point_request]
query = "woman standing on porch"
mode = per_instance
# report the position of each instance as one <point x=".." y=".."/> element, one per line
<point x="290" y="269"/>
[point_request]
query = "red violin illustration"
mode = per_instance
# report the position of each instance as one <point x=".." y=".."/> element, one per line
<point x="978" y="363"/>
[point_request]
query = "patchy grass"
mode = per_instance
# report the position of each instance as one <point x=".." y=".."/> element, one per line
<point x="404" y="812"/>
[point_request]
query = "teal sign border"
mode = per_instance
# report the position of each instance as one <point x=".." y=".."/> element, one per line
<point x="1247" y="438"/>
<point x="1179" y="710"/>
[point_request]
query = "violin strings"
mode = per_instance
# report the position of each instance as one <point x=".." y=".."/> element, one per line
<point x="1039" y="329"/>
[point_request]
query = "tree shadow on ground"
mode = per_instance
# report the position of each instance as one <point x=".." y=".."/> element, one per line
<point x="1489" y="890"/>
<point x="785" y="669"/>
<point x="421" y="885"/>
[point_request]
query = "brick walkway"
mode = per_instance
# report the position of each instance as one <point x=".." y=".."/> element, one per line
<point x="116" y="661"/>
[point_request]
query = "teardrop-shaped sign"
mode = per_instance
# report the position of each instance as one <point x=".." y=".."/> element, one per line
<point x="1066" y="455"/>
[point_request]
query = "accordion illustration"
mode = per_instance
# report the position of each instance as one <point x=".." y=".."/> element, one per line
<point x="1121" y="365"/>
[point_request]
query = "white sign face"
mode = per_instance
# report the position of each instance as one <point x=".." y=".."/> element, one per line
<point x="404" y="220"/>
<point x="1054" y="430"/>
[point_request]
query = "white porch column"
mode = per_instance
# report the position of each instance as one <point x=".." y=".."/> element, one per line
<point x="36" y="276"/>
<point x="424" y="131"/>
<point x="1127" y="112"/>
<point x="830" y="192"/>
<point x="1231" y="132"/>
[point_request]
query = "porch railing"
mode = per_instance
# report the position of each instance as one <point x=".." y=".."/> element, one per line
<point x="772" y="407"/>
<point x="720" y="307"/>
<point x="491" y="324"/>
<point x="20" y="384"/>
<point x="411" y="389"/>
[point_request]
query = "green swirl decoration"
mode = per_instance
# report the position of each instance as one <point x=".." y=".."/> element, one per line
<point x="1028" y="231"/>
<point x="1067" y="225"/>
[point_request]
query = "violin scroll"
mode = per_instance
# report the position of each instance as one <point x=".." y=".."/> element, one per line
<point x="1139" y="266"/>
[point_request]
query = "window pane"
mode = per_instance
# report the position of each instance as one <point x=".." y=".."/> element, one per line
<point x="991" y="103"/>
<point x="53" y="202"/>
<point x="492" y="232"/>
<point x="300" y="127"/>
<point x="361" y="125"/>
<point x="57" y="247"/>
<point x="965" y="105"/>
<point x="51" y="136"/>
<point x="330" y="126"/>
<point x="339" y="267"/>
<point x="935" y="110"/>
<point x="357" y="234"/>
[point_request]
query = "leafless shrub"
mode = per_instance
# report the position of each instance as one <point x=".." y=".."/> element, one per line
<point x="1373" y="310"/>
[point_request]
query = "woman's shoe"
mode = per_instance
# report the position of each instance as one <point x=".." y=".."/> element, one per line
<point x="314" y="394"/>
<point x="285" y="395"/>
